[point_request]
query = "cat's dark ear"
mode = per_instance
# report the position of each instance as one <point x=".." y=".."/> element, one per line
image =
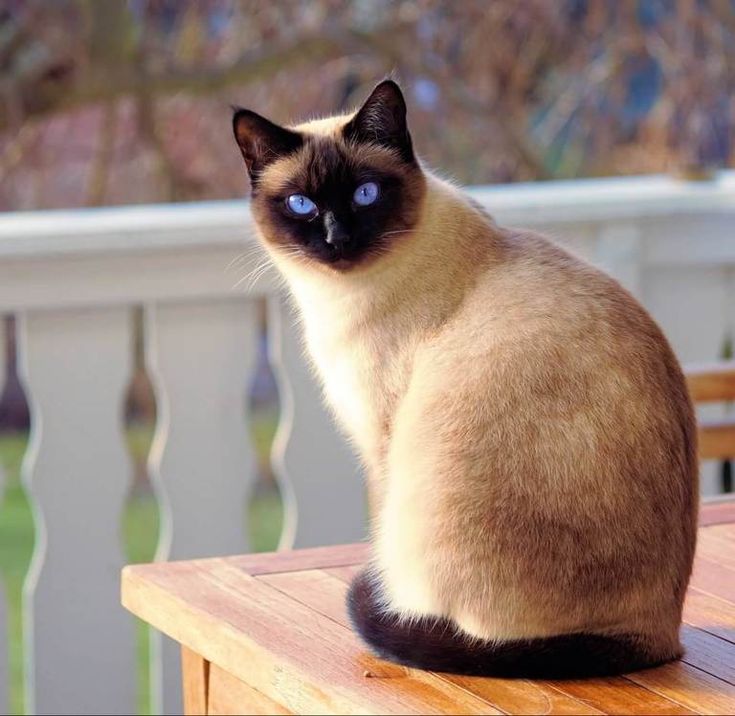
<point x="382" y="120"/>
<point x="261" y="142"/>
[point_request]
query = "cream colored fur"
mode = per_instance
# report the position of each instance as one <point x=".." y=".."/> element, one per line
<point x="519" y="417"/>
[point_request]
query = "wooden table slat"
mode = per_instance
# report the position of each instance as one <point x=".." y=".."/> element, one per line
<point x="325" y="594"/>
<point x="687" y="685"/>
<point x="717" y="512"/>
<point x="709" y="653"/>
<point x="619" y="695"/>
<point x="229" y="694"/>
<point x="711" y="614"/>
<point x="297" y="561"/>
<point x="704" y="652"/>
<point x="255" y="632"/>
<point x="509" y="695"/>
<point x="346" y="574"/>
<point x="195" y="672"/>
<point x="716" y="545"/>
<point x="270" y="634"/>
<point x="713" y="578"/>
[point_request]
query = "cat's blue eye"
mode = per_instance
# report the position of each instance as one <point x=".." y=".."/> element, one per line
<point x="366" y="194"/>
<point x="300" y="204"/>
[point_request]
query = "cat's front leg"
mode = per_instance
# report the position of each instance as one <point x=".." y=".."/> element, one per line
<point x="402" y="562"/>
<point x="407" y="558"/>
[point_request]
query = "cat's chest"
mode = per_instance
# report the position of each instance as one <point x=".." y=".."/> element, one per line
<point x="362" y="383"/>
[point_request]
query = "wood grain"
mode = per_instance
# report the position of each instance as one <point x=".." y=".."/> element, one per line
<point x="228" y="695"/>
<point x="617" y="695"/>
<point x="722" y="532"/>
<point x="296" y="561"/>
<point x="716" y="512"/>
<point x="276" y="631"/>
<point x="705" y="653"/>
<point x="347" y="573"/>
<point x="716" y="546"/>
<point x="716" y="439"/>
<point x="711" y="614"/>
<point x="712" y="577"/>
<point x="709" y="653"/>
<point x="325" y="594"/>
<point x="509" y="695"/>
<point x="195" y="682"/>
<point x="259" y="635"/>
<point x="695" y="689"/>
<point x="711" y="382"/>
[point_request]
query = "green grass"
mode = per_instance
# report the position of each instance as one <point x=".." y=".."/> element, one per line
<point x="139" y="533"/>
<point x="16" y="545"/>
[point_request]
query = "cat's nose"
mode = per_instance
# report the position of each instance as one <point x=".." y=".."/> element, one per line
<point x="336" y="233"/>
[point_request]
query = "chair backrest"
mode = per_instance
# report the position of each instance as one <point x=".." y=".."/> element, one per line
<point x="714" y="383"/>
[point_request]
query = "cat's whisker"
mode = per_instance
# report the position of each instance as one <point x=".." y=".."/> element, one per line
<point x="252" y="254"/>
<point x="252" y="276"/>
<point x="237" y="261"/>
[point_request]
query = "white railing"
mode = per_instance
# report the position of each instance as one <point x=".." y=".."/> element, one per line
<point x="73" y="278"/>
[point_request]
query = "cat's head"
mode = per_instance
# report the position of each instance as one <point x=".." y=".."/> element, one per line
<point x="339" y="192"/>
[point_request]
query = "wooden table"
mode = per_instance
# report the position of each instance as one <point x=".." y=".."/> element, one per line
<point x="268" y="634"/>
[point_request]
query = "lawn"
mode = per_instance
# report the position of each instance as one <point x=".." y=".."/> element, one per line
<point x="139" y="535"/>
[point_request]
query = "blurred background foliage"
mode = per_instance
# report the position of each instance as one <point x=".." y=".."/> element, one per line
<point x="114" y="101"/>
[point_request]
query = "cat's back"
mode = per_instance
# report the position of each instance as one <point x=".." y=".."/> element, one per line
<point x="562" y="356"/>
<point x="557" y="387"/>
<point x="534" y="296"/>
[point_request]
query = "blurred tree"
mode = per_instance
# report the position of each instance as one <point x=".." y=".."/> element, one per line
<point x="127" y="100"/>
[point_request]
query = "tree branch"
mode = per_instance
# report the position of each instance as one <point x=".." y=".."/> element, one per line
<point x="50" y="96"/>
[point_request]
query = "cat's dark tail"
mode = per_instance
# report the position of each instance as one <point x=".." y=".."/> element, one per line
<point x="436" y="645"/>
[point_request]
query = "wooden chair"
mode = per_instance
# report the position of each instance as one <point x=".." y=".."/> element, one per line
<point x="714" y="383"/>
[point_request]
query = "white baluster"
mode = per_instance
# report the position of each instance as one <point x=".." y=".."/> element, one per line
<point x="200" y="356"/>
<point x="4" y="644"/>
<point x="79" y="641"/>
<point x="318" y="473"/>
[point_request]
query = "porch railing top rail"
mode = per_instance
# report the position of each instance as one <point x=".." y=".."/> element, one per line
<point x="146" y="227"/>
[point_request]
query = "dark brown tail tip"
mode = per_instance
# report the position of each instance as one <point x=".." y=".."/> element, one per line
<point x="436" y="645"/>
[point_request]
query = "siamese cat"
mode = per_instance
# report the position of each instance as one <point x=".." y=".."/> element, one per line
<point x="527" y="435"/>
